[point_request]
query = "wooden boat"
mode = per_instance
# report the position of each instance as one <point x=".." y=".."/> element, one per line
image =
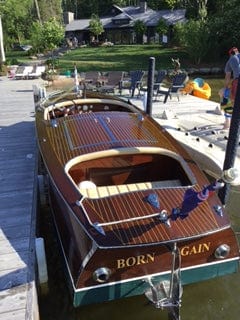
<point x="133" y="212"/>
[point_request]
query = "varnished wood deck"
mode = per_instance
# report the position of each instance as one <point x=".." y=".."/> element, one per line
<point x="114" y="211"/>
<point x="83" y="133"/>
<point x="18" y="298"/>
<point x="113" y="130"/>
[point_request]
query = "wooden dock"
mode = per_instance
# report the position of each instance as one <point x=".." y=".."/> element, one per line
<point x="192" y="109"/>
<point x="18" y="159"/>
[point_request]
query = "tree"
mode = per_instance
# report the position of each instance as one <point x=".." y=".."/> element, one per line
<point x="224" y="25"/>
<point x="37" y="11"/>
<point x="47" y="36"/>
<point x="36" y="37"/>
<point x="194" y="36"/>
<point x="15" y="20"/>
<point x="162" y="4"/>
<point x="53" y="34"/>
<point x="18" y="16"/>
<point x="197" y="9"/>
<point x="85" y="8"/>
<point x="49" y="9"/>
<point x="140" y="29"/>
<point x="95" y="25"/>
<point x="162" y="27"/>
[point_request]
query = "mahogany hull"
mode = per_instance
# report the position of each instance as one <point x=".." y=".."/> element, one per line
<point x="131" y="267"/>
<point x="116" y="241"/>
<point x="139" y="285"/>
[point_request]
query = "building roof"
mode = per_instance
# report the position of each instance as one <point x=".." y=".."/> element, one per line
<point x="130" y="15"/>
<point x="77" y="25"/>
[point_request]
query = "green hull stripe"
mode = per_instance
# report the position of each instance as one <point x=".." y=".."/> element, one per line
<point x="138" y="286"/>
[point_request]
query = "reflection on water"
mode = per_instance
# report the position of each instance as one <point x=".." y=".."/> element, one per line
<point x="210" y="300"/>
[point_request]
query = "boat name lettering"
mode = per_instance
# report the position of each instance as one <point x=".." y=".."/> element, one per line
<point x="134" y="261"/>
<point x="200" y="248"/>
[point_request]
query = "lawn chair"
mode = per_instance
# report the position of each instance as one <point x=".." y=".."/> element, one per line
<point x="160" y="76"/>
<point x="132" y="83"/>
<point x="22" y="72"/>
<point x="178" y="82"/>
<point x="112" y="80"/>
<point x="92" y="80"/>
<point x="36" y="72"/>
<point x="19" y="72"/>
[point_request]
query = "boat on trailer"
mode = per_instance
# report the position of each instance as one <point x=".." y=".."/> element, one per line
<point x="133" y="212"/>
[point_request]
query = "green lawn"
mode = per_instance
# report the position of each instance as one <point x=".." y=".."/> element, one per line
<point x="119" y="57"/>
<point x="124" y="58"/>
<point x="216" y="84"/>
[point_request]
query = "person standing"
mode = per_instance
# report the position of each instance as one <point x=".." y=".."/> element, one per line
<point x="232" y="69"/>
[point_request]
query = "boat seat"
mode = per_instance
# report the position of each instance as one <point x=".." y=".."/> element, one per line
<point x="106" y="191"/>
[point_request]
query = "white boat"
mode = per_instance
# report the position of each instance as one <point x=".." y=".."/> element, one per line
<point x="198" y="125"/>
<point x="207" y="146"/>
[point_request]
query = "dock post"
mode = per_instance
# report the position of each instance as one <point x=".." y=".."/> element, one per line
<point x="150" y="82"/>
<point x="232" y="144"/>
<point x="42" y="264"/>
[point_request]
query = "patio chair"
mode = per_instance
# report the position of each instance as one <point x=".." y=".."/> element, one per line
<point x="92" y="80"/>
<point x="22" y="72"/>
<point x="132" y="83"/>
<point x="19" y="72"/>
<point x="36" y="72"/>
<point x="158" y="81"/>
<point x="112" y="81"/>
<point x="178" y="82"/>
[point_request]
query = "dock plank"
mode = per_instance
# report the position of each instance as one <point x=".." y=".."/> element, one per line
<point x="17" y="201"/>
<point x="14" y="300"/>
<point x="13" y="315"/>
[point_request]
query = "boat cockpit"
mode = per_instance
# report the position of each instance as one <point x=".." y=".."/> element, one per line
<point x="78" y="106"/>
<point x="110" y="172"/>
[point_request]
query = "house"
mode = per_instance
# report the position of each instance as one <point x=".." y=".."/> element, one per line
<point x="119" y="24"/>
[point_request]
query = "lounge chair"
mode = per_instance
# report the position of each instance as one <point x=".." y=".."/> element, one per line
<point x="36" y="72"/>
<point x="161" y="75"/>
<point x="178" y="82"/>
<point x="19" y="73"/>
<point x="112" y="80"/>
<point x="157" y="85"/>
<point x="22" y="72"/>
<point x="132" y="83"/>
<point x="92" y="80"/>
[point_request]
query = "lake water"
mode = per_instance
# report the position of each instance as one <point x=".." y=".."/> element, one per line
<point x="210" y="300"/>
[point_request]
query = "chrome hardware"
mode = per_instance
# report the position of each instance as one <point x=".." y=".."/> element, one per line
<point x="167" y="294"/>
<point x="230" y="175"/>
<point x="222" y="251"/>
<point x="219" y="210"/>
<point x="101" y="275"/>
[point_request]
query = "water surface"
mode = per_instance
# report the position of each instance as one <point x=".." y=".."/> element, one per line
<point x="210" y="300"/>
